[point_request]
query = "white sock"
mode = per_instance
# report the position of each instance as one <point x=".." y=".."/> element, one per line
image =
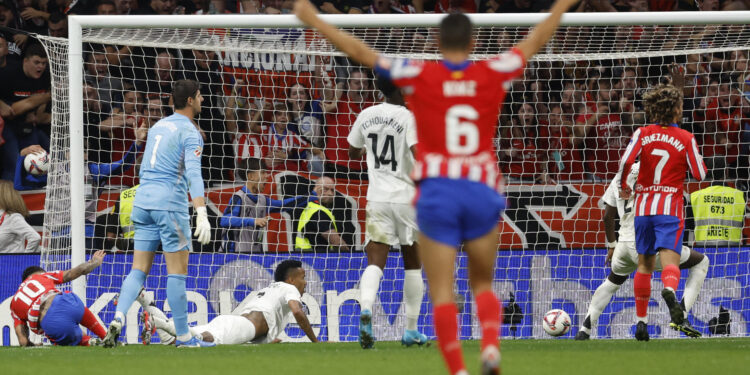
<point x="144" y="299"/>
<point x="165" y="325"/>
<point x="694" y="283"/>
<point x="599" y="301"/>
<point x="119" y="315"/>
<point x="164" y="335"/>
<point x="368" y="286"/>
<point x="413" y="295"/>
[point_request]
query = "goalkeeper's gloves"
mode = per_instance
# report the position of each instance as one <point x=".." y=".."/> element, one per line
<point x="202" y="227"/>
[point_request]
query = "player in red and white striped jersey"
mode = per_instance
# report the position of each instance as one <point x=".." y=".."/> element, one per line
<point x="666" y="153"/>
<point x="456" y="103"/>
<point x="39" y="306"/>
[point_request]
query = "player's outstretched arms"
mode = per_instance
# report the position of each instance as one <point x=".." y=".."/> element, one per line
<point x="202" y="226"/>
<point x="353" y="47"/>
<point x="544" y="30"/>
<point x="84" y="268"/>
<point x="301" y="318"/>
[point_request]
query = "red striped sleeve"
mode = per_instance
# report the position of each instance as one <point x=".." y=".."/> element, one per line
<point x="695" y="160"/>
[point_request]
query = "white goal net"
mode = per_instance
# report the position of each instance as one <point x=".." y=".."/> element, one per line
<point x="284" y="95"/>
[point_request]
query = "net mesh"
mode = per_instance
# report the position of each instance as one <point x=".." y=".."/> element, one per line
<point x="561" y="132"/>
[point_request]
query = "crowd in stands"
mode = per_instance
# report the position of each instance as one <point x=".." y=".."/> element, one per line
<point x="564" y="121"/>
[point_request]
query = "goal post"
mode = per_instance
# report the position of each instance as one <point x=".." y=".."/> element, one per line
<point x="551" y="237"/>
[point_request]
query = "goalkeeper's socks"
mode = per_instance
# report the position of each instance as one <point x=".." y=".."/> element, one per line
<point x="129" y="291"/>
<point x="90" y="321"/>
<point x="368" y="286"/>
<point x="600" y="299"/>
<point x="446" y="329"/>
<point x="178" y="302"/>
<point x="488" y="311"/>
<point x="642" y="291"/>
<point x="413" y="296"/>
<point x="670" y="276"/>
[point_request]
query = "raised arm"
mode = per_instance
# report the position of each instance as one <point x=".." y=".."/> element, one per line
<point x="353" y="47"/>
<point x="301" y="318"/>
<point x="545" y="30"/>
<point x="84" y="268"/>
<point x="628" y="159"/>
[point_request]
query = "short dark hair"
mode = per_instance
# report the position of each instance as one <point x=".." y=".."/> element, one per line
<point x="56" y="17"/>
<point x="106" y="2"/>
<point x="35" y="49"/>
<point x="456" y="32"/>
<point x="31" y="270"/>
<point x="250" y="165"/>
<point x="385" y="86"/>
<point x="182" y="90"/>
<point x="285" y="268"/>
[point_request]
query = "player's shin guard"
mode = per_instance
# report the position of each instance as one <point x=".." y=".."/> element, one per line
<point x="178" y="302"/>
<point x="599" y="301"/>
<point x="90" y="321"/>
<point x="446" y="330"/>
<point x="670" y="277"/>
<point x="413" y="295"/>
<point x="129" y="291"/>
<point x="369" y="285"/>
<point x="694" y="283"/>
<point x="642" y="289"/>
<point x="488" y="312"/>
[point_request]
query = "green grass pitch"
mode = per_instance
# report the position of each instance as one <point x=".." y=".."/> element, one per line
<point x="528" y="357"/>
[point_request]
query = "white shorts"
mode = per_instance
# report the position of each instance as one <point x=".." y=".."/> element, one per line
<point x="228" y="329"/>
<point x="391" y="223"/>
<point x="625" y="258"/>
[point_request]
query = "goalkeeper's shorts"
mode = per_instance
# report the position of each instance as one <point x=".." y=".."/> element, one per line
<point x="60" y="323"/>
<point x="453" y="211"/>
<point x="171" y="228"/>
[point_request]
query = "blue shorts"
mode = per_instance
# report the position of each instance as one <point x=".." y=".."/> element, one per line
<point x="170" y="228"/>
<point x="453" y="211"/>
<point x="60" y="324"/>
<point x="658" y="231"/>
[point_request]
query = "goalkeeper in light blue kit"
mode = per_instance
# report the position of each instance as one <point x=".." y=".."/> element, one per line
<point x="171" y="165"/>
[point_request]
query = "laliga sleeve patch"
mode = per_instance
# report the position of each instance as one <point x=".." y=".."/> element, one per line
<point x="198" y="151"/>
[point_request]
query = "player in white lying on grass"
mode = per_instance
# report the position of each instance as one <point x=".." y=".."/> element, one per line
<point x="388" y="134"/>
<point x="624" y="259"/>
<point x="261" y="320"/>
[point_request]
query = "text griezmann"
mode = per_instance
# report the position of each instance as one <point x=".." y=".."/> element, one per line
<point x="662" y="138"/>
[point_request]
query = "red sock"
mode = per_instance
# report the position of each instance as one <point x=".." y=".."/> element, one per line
<point x="642" y="289"/>
<point x="670" y="276"/>
<point x="84" y="340"/>
<point x="89" y="321"/>
<point x="446" y="330"/>
<point x="488" y="311"/>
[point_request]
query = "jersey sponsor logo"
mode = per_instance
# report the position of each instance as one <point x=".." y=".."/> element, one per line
<point x="657" y="189"/>
<point x="459" y="88"/>
<point x="658" y="137"/>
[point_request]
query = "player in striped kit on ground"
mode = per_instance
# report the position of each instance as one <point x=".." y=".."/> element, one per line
<point x="666" y="153"/>
<point x="624" y="259"/>
<point x="456" y="103"/>
<point x="38" y="306"/>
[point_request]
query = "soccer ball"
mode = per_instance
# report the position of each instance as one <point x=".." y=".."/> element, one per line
<point x="37" y="163"/>
<point x="556" y="322"/>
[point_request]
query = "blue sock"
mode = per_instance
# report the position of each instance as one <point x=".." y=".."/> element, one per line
<point x="129" y="290"/>
<point x="178" y="302"/>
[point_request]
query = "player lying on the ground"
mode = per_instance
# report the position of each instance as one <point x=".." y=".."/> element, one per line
<point x="456" y="103"/>
<point x="40" y="307"/>
<point x="624" y="259"/>
<point x="382" y="130"/>
<point x="261" y="320"/>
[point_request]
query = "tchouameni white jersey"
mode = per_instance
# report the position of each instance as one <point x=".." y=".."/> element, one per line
<point x="624" y="207"/>
<point x="387" y="132"/>
<point x="273" y="302"/>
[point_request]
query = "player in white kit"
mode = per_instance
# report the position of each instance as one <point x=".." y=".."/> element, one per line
<point x="624" y="259"/>
<point x="261" y="320"/>
<point x="388" y="134"/>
